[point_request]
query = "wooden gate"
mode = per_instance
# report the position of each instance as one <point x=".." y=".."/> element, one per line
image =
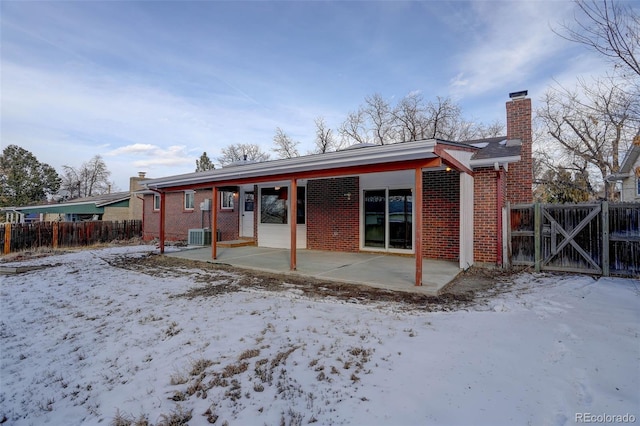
<point x="571" y="238"/>
<point x="596" y="238"/>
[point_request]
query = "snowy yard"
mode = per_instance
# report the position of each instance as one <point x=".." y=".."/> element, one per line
<point x="85" y="342"/>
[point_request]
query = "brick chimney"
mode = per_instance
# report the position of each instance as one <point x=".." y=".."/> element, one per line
<point x="134" y="182"/>
<point x="520" y="175"/>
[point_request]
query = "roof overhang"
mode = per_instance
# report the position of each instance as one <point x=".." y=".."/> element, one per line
<point x="491" y="162"/>
<point x="317" y="165"/>
<point x="79" y="208"/>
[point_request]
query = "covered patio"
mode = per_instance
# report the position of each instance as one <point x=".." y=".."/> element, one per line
<point x="387" y="271"/>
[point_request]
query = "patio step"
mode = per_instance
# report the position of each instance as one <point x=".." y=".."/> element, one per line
<point x="242" y="242"/>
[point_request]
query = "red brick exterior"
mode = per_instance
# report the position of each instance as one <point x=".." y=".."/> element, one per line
<point x="334" y="220"/>
<point x="520" y="175"/>
<point x="178" y="221"/>
<point x="441" y="215"/>
<point x="516" y="185"/>
<point x="333" y="214"/>
<point x="485" y="223"/>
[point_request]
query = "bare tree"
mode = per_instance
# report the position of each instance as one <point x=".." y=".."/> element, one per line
<point x="380" y="116"/>
<point x="410" y="118"/>
<point x="354" y="128"/>
<point x="325" y="141"/>
<point x="91" y="178"/>
<point x="611" y="28"/>
<point x="285" y="147"/>
<point x="588" y="127"/>
<point x="242" y="151"/>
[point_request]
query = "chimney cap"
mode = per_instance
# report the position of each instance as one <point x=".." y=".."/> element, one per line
<point x="142" y="174"/>
<point x="518" y="95"/>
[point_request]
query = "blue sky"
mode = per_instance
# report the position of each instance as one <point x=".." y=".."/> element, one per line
<point x="150" y="85"/>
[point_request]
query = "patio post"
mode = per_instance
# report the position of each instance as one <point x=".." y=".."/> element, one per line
<point x="417" y="223"/>
<point x="163" y="214"/>
<point x="214" y="223"/>
<point x="293" y="221"/>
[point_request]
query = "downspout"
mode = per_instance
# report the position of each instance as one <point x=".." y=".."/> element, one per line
<point x="499" y="203"/>
<point x="142" y="199"/>
<point x="162" y="216"/>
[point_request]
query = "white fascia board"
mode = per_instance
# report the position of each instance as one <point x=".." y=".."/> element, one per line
<point x="331" y="160"/>
<point x="464" y="157"/>
<point x="53" y="205"/>
<point x="107" y="202"/>
<point x="488" y="162"/>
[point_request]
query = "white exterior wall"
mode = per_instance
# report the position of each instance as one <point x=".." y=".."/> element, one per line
<point x="466" y="220"/>
<point x="630" y="185"/>
<point x="276" y="235"/>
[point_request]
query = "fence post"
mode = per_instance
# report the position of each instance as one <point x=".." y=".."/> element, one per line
<point x="537" y="236"/>
<point x="605" y="238"/>
<point x="55" y="235"/>
<point x="506" y="235"/>
<point x="7" y="238"/>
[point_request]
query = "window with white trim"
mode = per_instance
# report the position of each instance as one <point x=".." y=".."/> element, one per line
<point x="156" y="201"/>
<point x="188" y="200"/>
<point x="226" y="200"/>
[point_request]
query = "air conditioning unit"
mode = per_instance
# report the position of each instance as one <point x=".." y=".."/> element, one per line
<point x="205" y="205"/>
<point x="199" y="237"/>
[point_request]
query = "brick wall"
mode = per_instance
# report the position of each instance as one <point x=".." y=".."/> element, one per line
<point x="520" y="175"/>
<point x="516" y="185"/>
<point x="333" y="218"/>
<point x="178" y="221"/>
<point x="441" y="215"/>
<point x="485" y="225"/>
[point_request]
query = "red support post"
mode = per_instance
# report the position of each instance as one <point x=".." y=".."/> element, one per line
<point x="163" y="213"/>
<point x="214" y="223"/>
<point x="293" y="221"/>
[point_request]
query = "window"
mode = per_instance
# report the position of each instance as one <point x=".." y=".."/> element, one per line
<point x="156" y="201"/>
<point x="248" y="202"/>
<point x="638" y="186"/>
<point x="188" y="200"/>
<point x="301" y="219"/>
<point x="388" y="215"/>
<point x="273" y="205"/>
<point x="226" y="200"/>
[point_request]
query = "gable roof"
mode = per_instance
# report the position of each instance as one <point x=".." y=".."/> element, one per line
<point x="86" y="205"/>
<point x="495" y="148"/>
<point x="631" y="157"/>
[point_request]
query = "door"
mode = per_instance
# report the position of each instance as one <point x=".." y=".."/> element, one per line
<point x="247" y="206"/>
<point x="388" y="215"/>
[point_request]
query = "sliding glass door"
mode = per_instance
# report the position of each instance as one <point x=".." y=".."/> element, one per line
<point x="388" y="219"/>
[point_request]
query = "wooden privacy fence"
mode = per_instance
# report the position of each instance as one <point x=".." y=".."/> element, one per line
<point x="26" y="236"/>
<point x="598" y="238"/>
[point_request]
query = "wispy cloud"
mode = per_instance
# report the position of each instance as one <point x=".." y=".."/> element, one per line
<point x="511" y="45"/>
<point x="153" y="155"/>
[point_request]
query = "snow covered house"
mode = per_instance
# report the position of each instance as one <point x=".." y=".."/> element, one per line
<point x="431" y="198"/>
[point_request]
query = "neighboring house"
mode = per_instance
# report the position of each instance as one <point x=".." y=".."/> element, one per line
<point x="115" y="206"/>
<point x="629" y="174"/>
<point x="430" y="199"/>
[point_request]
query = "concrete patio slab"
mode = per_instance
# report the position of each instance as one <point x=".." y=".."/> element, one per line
<point x="391" y="272"/>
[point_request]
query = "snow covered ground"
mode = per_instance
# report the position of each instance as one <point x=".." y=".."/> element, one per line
<point x="84" y="342"/>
